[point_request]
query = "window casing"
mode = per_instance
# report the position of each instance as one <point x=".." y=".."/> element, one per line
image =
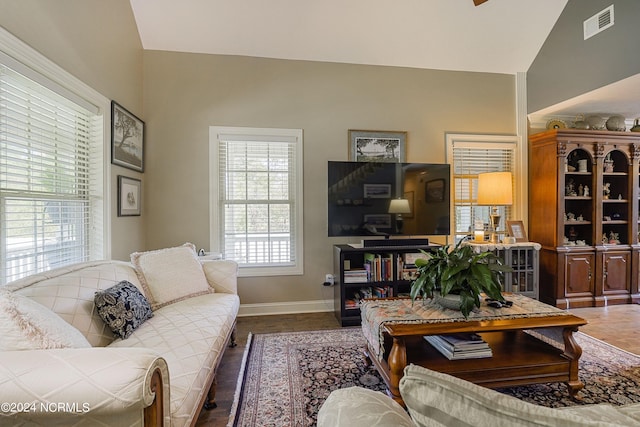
<point x="256" y="198"/>
<point x="52" y="174"/>
<point x="470" y="156"/>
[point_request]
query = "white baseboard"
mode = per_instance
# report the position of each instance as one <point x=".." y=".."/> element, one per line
<point x="293" y="307"/>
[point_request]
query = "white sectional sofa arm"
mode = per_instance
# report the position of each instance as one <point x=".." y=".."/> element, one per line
<point x="222" y="275"/>
<point x="84" y="386"/>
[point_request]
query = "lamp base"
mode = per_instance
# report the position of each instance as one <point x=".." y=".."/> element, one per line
<point x="495" y="223"/>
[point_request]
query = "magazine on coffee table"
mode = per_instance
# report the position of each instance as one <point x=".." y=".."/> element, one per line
<point x="460" y="346"/>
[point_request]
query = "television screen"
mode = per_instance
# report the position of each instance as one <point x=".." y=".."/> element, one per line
<point x="360" y="196"/>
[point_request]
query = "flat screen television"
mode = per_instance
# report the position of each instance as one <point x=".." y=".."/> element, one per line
<point x="360" y="195"/>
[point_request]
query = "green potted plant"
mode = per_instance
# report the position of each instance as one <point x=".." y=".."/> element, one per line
<point x="459" y="271"/>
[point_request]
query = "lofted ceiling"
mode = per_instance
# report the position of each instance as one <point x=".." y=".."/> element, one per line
<point x="435" y="34"/>
<point x="496" y="36"/>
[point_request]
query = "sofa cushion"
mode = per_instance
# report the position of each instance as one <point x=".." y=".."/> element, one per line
<point x="439" y="400"/>
<point x="170" y="275"/>
<point x="360" y="407"/>
<point x="190" y="335"/>
<point x="123" y="308"/>
<point x="605" y="412"/>
<point x="27" y="325"/>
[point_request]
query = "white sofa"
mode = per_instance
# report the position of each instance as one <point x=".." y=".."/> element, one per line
<point x="162" y="374"/>
<point x="434" y="399"/>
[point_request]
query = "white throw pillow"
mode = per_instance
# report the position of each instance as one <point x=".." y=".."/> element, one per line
<point x="170" y="275"/>
<point x="435" y="399"/>
<point x="27" y="325"/>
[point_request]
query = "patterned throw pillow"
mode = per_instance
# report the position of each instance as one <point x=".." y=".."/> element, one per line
<point x="123" y="308"/>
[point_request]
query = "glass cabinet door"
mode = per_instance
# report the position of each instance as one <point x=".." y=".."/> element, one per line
<point x="578" y="199"/>
<point x="615" y="199"/>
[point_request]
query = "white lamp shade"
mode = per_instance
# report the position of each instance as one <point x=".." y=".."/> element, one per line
<point x="495" y="189"/>
<point x="399" y="206"/>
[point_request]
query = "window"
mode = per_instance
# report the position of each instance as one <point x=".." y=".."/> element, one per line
<point x="256" y="198"/>
<point x="51" y="173"/>
<point x="470" y="155"/>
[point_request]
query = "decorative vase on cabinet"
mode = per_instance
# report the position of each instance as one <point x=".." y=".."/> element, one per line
<point x="588" y="227"/>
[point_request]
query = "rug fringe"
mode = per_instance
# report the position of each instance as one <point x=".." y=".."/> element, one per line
<point x="236" y="396"/>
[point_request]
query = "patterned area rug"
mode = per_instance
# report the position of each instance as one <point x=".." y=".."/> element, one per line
<point x="287" y="376"/>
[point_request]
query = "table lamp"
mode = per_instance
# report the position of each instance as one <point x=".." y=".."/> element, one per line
<point x="399" y="206"/>
<point x="495" y="189"/>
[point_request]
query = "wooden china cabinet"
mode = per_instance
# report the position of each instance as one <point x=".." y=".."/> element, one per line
<point x="584" y="210"/>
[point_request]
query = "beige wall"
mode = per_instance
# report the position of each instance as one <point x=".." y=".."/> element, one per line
<point x="184" y="94"/>
<point x="97" y="41"/>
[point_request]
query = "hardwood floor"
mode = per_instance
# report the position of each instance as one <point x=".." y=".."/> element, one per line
<point x="616" y="325"/>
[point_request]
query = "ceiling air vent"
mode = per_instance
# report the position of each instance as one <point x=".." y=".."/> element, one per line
<point x="598" y="22"/>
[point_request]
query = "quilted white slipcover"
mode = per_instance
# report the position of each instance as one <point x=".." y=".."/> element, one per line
<point x="109" y="384"/>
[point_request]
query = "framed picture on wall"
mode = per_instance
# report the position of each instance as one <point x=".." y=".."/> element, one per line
<point x="127" y="138"/>
<point x="378" y="220"/>
<point x="377" y="146"/>
<point x="129" y="196"/>
<point x="434" y="191"/>
<point x="377" y="191"/>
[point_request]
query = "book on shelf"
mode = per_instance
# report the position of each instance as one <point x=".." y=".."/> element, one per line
<point x="355" y="276"/>
<point x="380" y="267"/>
<point x="354" y="299"/>
<point x="350" y="303"/>
<point x="411" y="257"/>
<point x="460" y="346"/>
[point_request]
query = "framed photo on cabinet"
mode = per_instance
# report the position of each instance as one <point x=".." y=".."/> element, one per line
<point x="516" y="229"/>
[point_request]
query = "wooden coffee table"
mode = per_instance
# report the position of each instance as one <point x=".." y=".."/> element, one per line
<point x="519" y="358"/>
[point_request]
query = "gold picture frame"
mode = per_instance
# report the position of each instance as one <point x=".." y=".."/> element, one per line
<point x="516" y="229"/>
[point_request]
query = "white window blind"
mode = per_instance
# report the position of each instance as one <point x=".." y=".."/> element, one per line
<point x="469" y="159"/>
<point x="51" y="184"/>
<point x="259" y="202"/>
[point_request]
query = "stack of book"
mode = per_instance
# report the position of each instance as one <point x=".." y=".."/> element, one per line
<point x="355" y="276"/>
<point x="460" y="346"/>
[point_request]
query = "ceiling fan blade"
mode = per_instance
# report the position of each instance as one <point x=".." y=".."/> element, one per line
<point x="478" y="2"/>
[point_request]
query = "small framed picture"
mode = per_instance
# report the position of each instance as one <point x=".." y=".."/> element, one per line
<point x="377" y="146"/>
<point x="434" y="191"/>
<point x="129" y="196"/>
<point x="127" y="138"/>
<point x="378" y="220"/>
<point x="377" y="191"/>
<point x="516" y="229"/>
